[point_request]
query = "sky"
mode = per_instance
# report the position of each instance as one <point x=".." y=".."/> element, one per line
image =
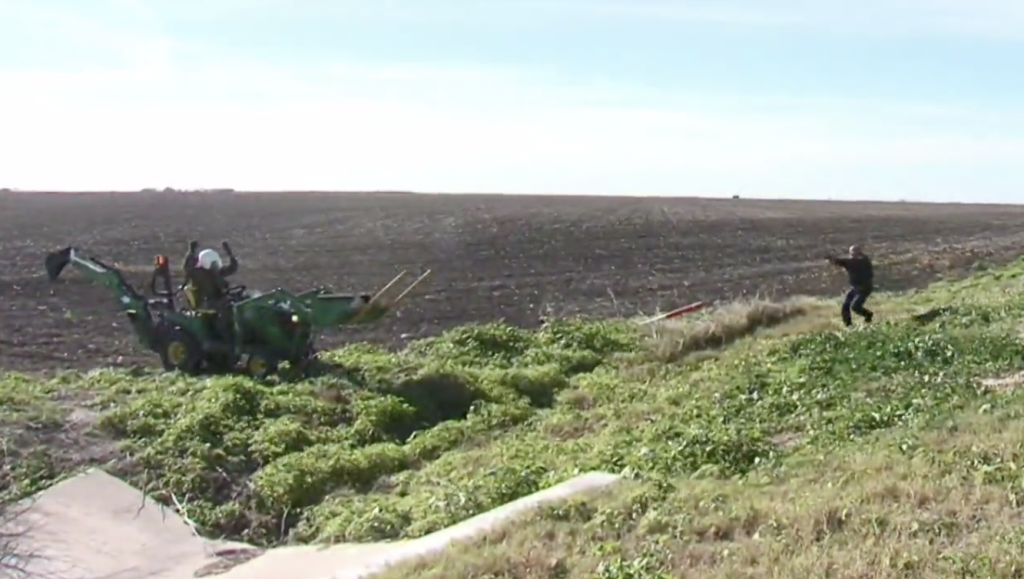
<point x="830" y="99"/>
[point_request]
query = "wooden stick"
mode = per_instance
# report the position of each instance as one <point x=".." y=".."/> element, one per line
<point x="687" y="309"/>
<point x="409" y="289"/>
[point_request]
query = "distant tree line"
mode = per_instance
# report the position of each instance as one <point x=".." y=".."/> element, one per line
<point x="173" y="190"/>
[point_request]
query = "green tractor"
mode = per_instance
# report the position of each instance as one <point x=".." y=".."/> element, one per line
<point x="266" y="329"/>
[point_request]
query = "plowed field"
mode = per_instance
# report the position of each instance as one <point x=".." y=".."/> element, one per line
<point x="516" y="258"/>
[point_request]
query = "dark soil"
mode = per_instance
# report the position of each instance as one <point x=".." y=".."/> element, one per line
<point x="513" y="258"/>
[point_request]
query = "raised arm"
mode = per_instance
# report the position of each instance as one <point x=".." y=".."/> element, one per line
<point x="189" y="263"/>
<point x="232" y="265"/>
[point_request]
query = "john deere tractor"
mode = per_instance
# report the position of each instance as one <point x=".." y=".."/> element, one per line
<point x="266" y="329"/>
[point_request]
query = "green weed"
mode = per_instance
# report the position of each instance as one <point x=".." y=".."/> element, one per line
<point x="401" y="444"/>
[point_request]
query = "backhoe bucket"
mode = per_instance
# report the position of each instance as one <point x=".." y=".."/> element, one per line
<point x="56" y="262"/>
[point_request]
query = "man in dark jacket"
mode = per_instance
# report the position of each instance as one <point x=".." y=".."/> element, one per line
<point x="862" y="279"/>
<point x="206" y="284"/>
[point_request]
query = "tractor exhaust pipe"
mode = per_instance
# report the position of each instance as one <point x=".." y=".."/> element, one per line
<point x="56" y="262"/>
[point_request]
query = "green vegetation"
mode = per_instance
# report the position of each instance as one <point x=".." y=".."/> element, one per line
<point x="799" y="447"/>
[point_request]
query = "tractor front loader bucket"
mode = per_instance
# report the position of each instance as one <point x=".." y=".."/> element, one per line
<point x="328" y="310"/>
<point x="56" y="261"/>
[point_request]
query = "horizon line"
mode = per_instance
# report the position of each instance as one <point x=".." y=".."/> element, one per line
<point x="710" y="197"/>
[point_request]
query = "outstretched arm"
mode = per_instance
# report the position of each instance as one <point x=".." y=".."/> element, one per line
<point x="839" y="261"/>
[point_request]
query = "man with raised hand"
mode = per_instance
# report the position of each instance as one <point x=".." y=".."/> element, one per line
<point x="862" y="282"/>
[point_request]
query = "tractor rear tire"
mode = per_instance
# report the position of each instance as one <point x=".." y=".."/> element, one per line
<point x="180" y="351"/>
<point x="260" y="367"/>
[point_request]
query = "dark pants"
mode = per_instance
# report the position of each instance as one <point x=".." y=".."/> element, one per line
<point x="224" y="319"/>
<point x="854" y="301"/>
<point x="225" y="323"/>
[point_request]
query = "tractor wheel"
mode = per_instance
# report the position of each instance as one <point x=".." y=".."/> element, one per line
<point x="180" y="350"/>
<point x="259" y="366"/>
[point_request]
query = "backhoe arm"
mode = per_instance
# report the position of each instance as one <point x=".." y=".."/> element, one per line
<point x="134" y="304"/>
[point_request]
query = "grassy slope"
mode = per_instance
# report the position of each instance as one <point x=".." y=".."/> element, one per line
<point x="871" y="452"/>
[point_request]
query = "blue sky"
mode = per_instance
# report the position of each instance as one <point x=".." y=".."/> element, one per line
<point x="896" y="99"/>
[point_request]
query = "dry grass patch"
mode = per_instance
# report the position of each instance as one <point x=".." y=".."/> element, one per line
<point x="674" y="340"/>
<point x="1012" y="382"/>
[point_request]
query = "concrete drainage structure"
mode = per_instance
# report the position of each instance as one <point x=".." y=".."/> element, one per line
<point x="96" y="526"/>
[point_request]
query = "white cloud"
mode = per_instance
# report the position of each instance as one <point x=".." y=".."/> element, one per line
<point x="111" y="130"/>
<point x="144" y="118"/>
<point x="989" y="18"/>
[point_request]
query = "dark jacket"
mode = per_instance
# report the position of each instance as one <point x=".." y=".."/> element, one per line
<point x="859" y="270"/>
<point x="208" y="288"/>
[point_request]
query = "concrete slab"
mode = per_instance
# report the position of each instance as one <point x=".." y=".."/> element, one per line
<point x="96" y="526"/>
